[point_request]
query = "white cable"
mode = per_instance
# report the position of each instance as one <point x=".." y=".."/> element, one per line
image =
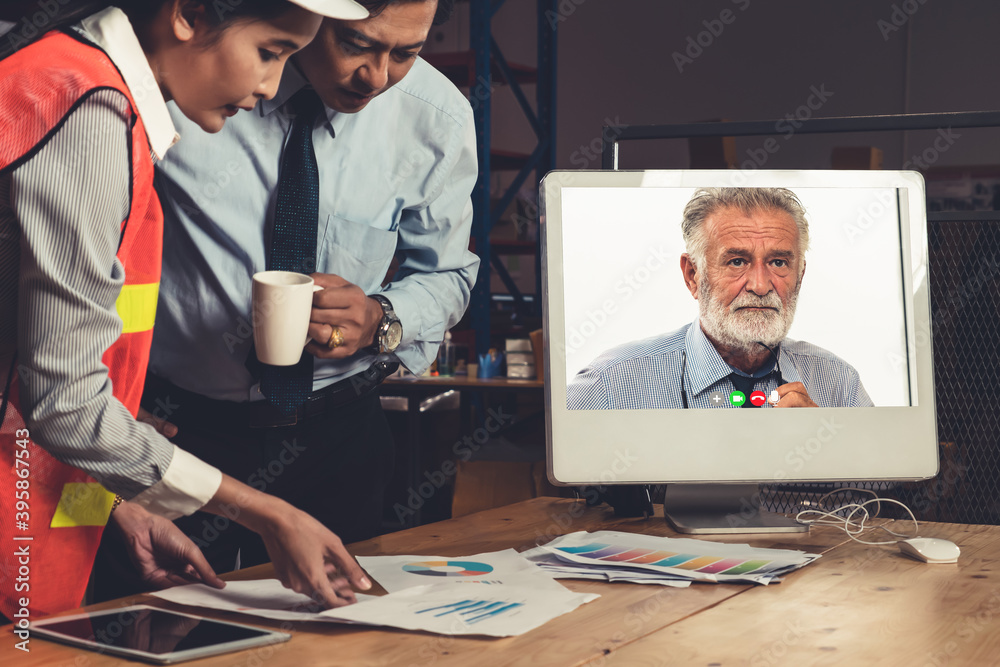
<point x="848" y="523"/>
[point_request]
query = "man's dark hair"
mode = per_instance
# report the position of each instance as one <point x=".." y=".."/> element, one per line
<point x="443" y="13"/>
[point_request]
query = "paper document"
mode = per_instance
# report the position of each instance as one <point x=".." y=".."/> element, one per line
<point x="471" y="609"/>
<point x="266" y="598"/>
<point x="630" y="556"/>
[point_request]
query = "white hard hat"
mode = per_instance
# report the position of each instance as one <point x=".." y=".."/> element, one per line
<point x="337" y="9"/>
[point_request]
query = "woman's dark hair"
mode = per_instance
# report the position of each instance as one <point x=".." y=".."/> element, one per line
<point x="443" y="13"/>
<point x="218" y="13"/>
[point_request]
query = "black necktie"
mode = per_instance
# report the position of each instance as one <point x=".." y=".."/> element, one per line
<point x="293" y="240"/>
<point x="744" y="384"/>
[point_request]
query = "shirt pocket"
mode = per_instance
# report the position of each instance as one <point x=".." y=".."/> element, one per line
<point x="358" y="253"/>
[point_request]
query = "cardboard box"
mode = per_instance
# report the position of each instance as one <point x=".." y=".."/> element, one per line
<point x="518" y="345"/>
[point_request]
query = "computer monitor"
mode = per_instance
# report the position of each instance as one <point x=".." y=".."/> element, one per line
<point x="635" y="393"/>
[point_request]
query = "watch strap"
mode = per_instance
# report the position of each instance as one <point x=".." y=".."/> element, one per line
<point x="388" y="318"/>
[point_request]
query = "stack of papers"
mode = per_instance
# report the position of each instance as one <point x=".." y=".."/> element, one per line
<point x="497" y="594"/>
<point x="667" y="561"/>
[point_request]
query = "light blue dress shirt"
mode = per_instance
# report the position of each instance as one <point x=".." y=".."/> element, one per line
<point x="395" y="177"/>
<point x="647" y="374"/>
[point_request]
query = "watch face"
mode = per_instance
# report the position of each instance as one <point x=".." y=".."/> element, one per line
<point x="393" y="336"/>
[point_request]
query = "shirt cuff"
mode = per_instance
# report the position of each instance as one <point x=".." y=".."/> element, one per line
<point x="411" y="317"/>
<point x="187" y="485"/>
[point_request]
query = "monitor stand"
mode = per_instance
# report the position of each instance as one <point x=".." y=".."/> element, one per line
<point x="704" y="509"/>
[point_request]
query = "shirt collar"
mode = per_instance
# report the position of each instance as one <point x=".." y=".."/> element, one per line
<point x="705" y="366"/>
<point x="292" y="81"/>
<point x="110" y="29"/>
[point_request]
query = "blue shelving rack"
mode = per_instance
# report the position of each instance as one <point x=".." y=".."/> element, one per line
<point x="480" y="70"/>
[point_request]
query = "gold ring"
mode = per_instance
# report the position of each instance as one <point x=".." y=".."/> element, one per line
<point x="336" y="338"/>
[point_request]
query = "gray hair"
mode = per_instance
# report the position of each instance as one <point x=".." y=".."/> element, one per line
<point x="707" y="201"/>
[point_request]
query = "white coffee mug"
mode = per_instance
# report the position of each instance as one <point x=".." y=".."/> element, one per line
<point x="281" y="303"/>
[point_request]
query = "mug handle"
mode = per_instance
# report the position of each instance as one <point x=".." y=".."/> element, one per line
<point x="316" y="288"/>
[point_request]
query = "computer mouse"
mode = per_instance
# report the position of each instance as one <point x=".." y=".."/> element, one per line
<point x="930" y="549"/>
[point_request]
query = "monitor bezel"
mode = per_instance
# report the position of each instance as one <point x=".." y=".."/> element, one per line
<point x="815" y="445"/>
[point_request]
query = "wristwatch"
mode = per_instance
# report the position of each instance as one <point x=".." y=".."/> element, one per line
<point x="390" y="331"/>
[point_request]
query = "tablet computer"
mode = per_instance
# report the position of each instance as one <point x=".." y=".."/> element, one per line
<point x="154" y="635"/>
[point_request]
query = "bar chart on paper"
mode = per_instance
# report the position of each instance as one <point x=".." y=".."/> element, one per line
<point x="470" y="609"/>
<point x="473" y="611"/>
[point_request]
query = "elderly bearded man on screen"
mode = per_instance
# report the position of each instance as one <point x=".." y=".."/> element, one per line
<point x="744" y="264"/>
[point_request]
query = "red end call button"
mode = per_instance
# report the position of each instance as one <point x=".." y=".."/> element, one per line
<point x="758" y="398"/>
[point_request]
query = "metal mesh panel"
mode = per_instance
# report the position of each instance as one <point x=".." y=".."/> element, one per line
<point x="965" y="304"/>
<point x="965" y="311"/>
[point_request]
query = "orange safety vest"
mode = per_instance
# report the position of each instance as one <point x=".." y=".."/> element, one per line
<point x="52" y="515"/>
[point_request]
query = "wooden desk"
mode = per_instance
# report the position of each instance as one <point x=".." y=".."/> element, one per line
<point x="857" y="605"/>
<point x="416" y="389"/>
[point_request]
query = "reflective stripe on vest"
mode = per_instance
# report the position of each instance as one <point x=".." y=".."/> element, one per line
<point x="136" y="306"/>
<point x="83" y="504"/>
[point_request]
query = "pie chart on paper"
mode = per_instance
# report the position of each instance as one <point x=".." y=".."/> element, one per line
<point x="448" y="568"/>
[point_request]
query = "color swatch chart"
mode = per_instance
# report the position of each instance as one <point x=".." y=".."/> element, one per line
<point x="659" y="558"/>
<point x="619" y="556"/>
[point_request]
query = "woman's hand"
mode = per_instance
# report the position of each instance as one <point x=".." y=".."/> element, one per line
<point x="163" y="555"/>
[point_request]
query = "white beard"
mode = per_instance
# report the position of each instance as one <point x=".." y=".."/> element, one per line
<point x="741" y="330"/>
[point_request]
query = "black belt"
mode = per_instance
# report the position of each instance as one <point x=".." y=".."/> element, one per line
<point x="261" y="414"/>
